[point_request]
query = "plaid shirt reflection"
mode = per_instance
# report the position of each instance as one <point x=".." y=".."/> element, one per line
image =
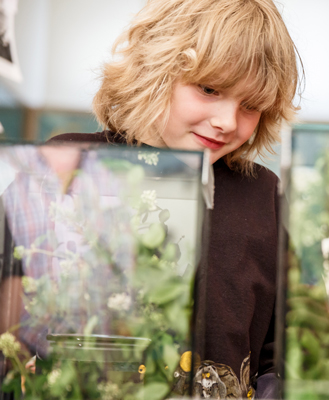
<point x="28" y="201"/>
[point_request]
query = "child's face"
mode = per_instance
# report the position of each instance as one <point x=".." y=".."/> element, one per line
<point x="202" y="118"/>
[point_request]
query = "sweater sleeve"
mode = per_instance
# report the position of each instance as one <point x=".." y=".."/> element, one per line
<point x="268" y="387"/>
<point x="268" y="383"/>
<point x="266" y="359"/>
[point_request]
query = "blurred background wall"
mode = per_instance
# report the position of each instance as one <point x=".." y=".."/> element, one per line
<point x="61" y="45"/>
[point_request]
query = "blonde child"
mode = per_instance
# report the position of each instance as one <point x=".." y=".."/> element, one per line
<point x="222" y="75"/>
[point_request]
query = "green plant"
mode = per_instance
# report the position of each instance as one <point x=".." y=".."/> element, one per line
<point x="142" y="292"/>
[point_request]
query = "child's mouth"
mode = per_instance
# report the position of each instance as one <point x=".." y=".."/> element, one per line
<point x="210" y="143"/>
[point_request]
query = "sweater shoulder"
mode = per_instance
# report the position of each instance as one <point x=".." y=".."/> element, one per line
<point x="260" y="173"/>
<point x="263" y="173"/>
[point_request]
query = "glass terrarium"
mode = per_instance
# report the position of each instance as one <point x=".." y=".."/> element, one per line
<point x="102" y="274"/>
<point x="303" y="312"/>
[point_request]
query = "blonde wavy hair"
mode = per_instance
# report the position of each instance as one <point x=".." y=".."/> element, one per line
<point x="198" y="42"/>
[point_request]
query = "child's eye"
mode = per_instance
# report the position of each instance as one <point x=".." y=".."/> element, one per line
<point x="249" y="107"/>
<point x="209" y="90"/>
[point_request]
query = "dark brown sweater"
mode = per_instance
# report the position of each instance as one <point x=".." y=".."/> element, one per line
<point x="242" y="264"/>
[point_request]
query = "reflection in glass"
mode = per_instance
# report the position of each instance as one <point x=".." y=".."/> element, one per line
<point x="100" y="250"/>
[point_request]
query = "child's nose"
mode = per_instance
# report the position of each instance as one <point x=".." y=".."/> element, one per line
<point x="225" y="116"/>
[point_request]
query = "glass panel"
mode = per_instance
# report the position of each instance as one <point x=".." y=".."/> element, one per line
<point x="305" y="267"/>
<point x="100" y="249"/>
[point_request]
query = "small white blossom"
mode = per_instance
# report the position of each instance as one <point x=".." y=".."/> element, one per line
<point x="19" y="252"/>
<point x="66" y="267"/>
<point x="119" y="301"/>
<point x="149" y="158"/>
<point x="109" y="390"/>
<point x="9" y="345"/>
<point x="69" y="263"/>
<point x="167" y="264"/>
<point x="53" y="376"/>
<point x="9" y="377"/>
<point x="64" y="215"/>
<point x="325" y="248"/>
<point x="149" y="197"/>
<point x="29" y="284"/>
<point x="34" y="301"/>
<point x="92" y="242"/>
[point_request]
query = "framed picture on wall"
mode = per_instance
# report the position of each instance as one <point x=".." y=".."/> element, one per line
<point x="9" y="67"/>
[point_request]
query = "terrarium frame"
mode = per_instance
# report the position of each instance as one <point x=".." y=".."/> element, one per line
<point x="302" y="302"/>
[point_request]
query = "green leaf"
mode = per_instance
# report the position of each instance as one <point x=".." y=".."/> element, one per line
<point x="170" y="357"/>
<point x="145" y="217"/>
<point x="178" y="317"/>
<point x="164" y="215"/>
<point x="39" y="240"/>
<point x="150" y="364"/>
<point x="52" y="239"/>
<point x="172" y="252"/>
<point x="165" y="338"/>
<point x="67" y="377"/>
<point x="139" y="350"/>
<point x="116" y="165"/>
<point x="93" y="321"/>
<point x="135" y="175"/>
<point x="311" y="344"/>
<point x="12" y="383"/>
<point x="166" y="292"/>
<point x="154" y="391"/>
<point x="154" y="236"/>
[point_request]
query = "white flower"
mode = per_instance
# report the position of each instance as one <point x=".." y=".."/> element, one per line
<point x="29" y="284"/>
<point x="92" y="240"/>
<point x="65" y="215"/>
<point x="149" y="158"/>
<point x="34" y="301"/>
<point x="119" y="301"/>
<point x="8" y="345"/>
<point x="19" y="252"/>
<point x="53" y="376"/>
<point x="109" y="390"/>
<point x="135" y="221"/>
<point x="325" y="248"/>
<point x="66" y="267"/>
<point x="149" y="197"/>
